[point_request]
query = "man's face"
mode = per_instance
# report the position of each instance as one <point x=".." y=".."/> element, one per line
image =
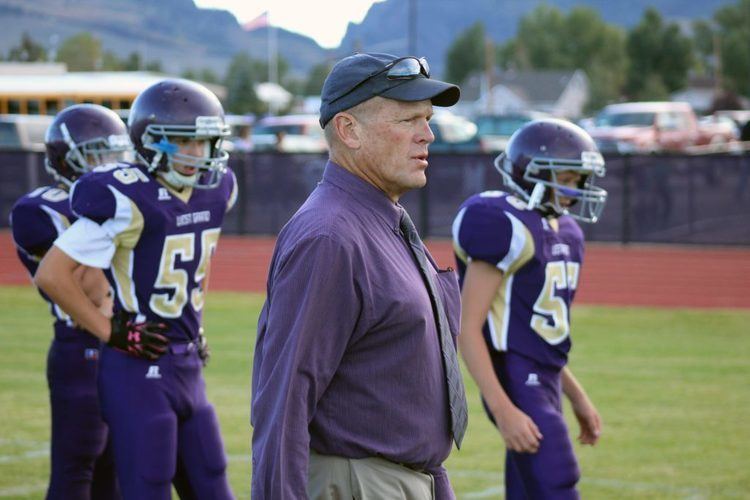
<point x="395" y="138"/>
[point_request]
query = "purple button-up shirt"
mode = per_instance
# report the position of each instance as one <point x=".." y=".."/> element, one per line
<point x="347" y="359"/>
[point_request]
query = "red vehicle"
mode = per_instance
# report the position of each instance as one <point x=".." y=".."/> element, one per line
<point x="647" y="127"/>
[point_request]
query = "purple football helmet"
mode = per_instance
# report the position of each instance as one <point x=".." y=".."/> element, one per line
<point x="537" y="152"/>
<point x="82" y="137"/>
<point x="172" y="111"/>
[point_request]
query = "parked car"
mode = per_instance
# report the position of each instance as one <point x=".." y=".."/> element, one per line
<point x="240" y="130"/>
<point x="717" y="129"/>
<point x="453" y="133"/>
<point x="289" y="134"/>
<point x="494" y="131"/>
<point x="25" y="132"/>
<point x="646" y="127"/>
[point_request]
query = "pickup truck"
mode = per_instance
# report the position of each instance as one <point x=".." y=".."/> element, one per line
<point x="648" y="127"/>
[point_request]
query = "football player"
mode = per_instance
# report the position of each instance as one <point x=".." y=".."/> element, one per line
<point x="79" y="138"/>
<point x="519" y="257"/>
<point x="154" y="225"/>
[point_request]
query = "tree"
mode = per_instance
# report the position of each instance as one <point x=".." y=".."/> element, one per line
<point x="466" y="54"/>
<point x="27" y="50"/>
<point x="154" y="67"/>
<point x="189" y="74"/>
<point x="548" y="39"/>
<point x="542" y="34"/>
<point x="242" y="75"/>
<point x="133" y="62"/>
<point x="207" y="75"/>
<point x="733" y="27"/>
<point x="703" y="43"/>
<point x="110" y="61"/>
<point x="315" y="79"/>
<point x="81" y="52"/>
<point x="657" y="52"/>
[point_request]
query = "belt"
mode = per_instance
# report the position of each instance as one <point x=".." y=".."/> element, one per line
<point x="414" y="467"/>
<point x="183" y="347"/>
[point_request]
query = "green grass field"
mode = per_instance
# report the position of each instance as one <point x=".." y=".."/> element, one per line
<point x="673" y="387"/>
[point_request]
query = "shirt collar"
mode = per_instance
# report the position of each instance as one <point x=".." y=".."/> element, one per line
<point x="364" y="192"/>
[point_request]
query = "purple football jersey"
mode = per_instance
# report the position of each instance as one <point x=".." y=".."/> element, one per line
<point x="37" y="219"/>
<point x="540" y="259"/>
<point x="154" y="243"/>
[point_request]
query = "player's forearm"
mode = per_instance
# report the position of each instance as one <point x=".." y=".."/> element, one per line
<point x="57" y="280"/>
<point x="477" y="358"/>
<point x="571" y="387"/>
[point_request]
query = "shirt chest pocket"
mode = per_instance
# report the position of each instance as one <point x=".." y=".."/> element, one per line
<point x="450" y="294"/>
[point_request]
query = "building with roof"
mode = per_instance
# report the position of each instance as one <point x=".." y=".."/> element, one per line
<point x="557" y="92"/>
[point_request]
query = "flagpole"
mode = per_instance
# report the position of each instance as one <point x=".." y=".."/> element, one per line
<point x="273" y="67"/>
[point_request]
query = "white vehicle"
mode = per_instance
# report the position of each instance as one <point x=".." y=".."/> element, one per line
<point x="24" y="132"/>
<point x="289" y="134"/>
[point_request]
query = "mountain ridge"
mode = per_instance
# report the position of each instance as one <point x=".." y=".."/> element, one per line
<point x="183" y="36"/>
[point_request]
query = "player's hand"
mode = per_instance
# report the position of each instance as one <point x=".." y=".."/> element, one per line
<point x="588" y="420"/>
<point x="519" y="432"/>
<point x="204" y="352"/>
<point x="143" y="340"/>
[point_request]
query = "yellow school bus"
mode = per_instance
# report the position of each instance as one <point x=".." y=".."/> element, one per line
<point x="45" y="89"/>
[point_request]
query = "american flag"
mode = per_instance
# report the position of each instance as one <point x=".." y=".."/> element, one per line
<point x="259" y="22"/>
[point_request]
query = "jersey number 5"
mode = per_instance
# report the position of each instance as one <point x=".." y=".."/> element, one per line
<point x="550" y="320"/>
<point x="177" y="279"/>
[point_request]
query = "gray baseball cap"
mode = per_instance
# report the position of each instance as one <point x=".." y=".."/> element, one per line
<point x="358" y="77"/>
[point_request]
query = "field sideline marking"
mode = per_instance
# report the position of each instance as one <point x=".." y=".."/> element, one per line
<point x="26" y="455"/>
<point x="22" y="490"/>
<point x="688" y="493"/>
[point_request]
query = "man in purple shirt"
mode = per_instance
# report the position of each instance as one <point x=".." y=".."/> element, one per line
<point x="352" y="389"/>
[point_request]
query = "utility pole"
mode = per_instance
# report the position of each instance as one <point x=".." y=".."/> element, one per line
<point x="489" y="69"/>
<point x="718" y="80"/>
<point x="273" y="58"/>
<point x="412" y="20"/>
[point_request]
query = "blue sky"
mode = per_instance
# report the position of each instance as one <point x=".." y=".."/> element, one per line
<point x="323" y="20"/>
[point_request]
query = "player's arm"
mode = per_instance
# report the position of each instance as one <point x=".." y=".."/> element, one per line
<point x="302" y="336"/>
<point x="96" y="287"/>
<point x="481" y="283"/>
<point x="588" y="417"/>
<point x="58" y="276"/>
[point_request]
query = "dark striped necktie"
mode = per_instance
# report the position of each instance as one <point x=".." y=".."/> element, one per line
<point x="456" y="392"/>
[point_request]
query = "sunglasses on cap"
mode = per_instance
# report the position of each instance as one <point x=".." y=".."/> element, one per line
<point x="404" y="68"/>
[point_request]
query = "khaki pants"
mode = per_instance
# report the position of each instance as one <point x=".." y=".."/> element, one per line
<point x="338" y="478"/>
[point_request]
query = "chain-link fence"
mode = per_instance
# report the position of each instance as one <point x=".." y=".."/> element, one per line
<point x="656" y="198"/>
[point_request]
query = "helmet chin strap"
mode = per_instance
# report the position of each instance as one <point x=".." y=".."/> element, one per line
<point x="176" y="179"/>
<point x="536" y="196"/>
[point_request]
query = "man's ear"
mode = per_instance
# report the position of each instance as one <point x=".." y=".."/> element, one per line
<point x="348" y="129"/>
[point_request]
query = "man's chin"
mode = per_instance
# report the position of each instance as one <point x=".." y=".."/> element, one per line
<point x="415" y="183"/>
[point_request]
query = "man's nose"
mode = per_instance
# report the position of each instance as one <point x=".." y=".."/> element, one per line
<point x="426" y="134"/>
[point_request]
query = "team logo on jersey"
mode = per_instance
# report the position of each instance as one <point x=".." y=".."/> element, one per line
<point x="164" y="194"/>
<point x="193" y="218"/>
<point x="560" y="249"/>
<point x="533" y="380"/>
<point x="91" y="354"/>
<point x="153" y="372"/>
